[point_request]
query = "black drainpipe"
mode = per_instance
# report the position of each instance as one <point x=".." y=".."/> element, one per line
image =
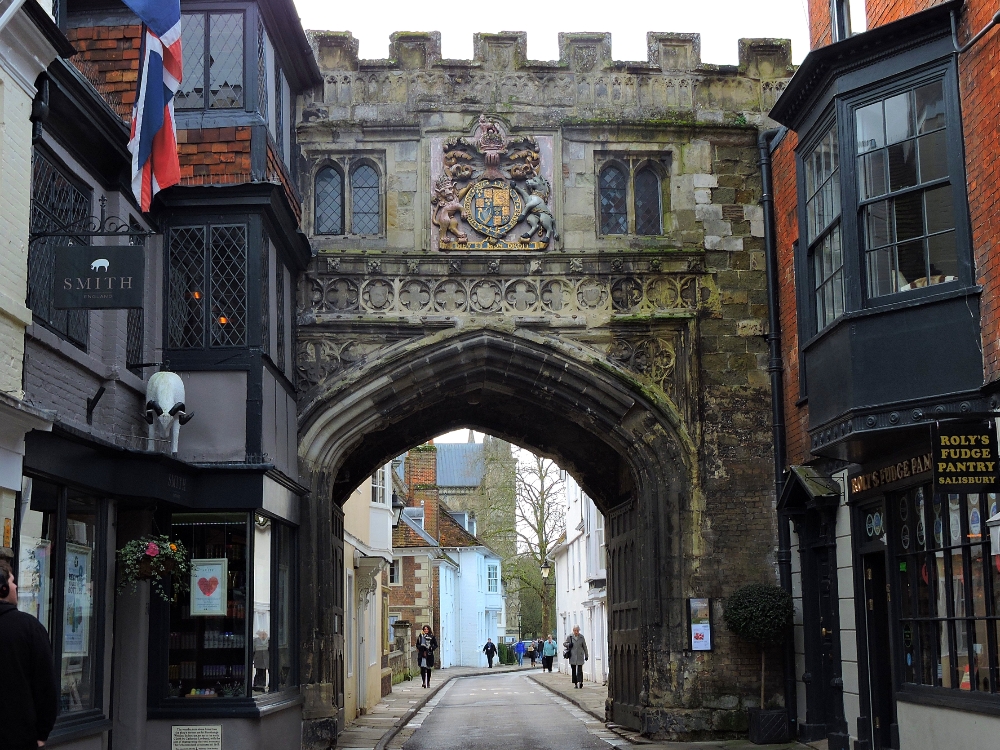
<point x="775" y="369"/>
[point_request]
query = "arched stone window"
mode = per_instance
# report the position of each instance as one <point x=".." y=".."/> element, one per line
<point x="648" y="214"/>
<point x="612" y="189"/>
<point x="329" y="201"/>
<point x="365" y="217"/>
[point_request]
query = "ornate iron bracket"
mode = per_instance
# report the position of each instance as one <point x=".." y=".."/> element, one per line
<point x="93" y="226"/>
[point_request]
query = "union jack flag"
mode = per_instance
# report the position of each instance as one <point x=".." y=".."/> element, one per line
<point x="153" y="142"/>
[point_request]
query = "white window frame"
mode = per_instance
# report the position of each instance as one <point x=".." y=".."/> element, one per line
<point x="493" y="578"/>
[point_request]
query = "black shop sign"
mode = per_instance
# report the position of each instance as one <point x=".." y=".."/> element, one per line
<point x="965" y="456"/>
<point x="93" y="278"/>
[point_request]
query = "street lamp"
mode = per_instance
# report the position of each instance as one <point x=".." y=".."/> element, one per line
<point x="546" y="569"/>
<point x="397" y="509"/>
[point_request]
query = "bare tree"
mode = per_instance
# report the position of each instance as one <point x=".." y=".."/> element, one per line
<point x="540" y="522"/>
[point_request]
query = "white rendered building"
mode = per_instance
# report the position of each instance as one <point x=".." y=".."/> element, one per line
<point x="581" y="582"/>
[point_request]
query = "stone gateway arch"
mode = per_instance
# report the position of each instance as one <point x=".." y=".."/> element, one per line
<point x="568" y="255"/>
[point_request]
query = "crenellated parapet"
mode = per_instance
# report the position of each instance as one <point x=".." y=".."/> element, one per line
<point x="585" y="82"/>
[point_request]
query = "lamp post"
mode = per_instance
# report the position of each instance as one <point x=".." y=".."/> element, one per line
<point x="546" y="570"/>
<point x="397" y="509"/>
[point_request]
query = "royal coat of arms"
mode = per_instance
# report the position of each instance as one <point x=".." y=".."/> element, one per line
<point x="492" y="186"/>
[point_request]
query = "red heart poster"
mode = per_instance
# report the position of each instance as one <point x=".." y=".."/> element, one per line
<point x="208" y="587"/>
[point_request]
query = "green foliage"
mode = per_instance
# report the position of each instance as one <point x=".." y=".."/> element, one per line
<point x="760" y="613"/>
<point x="150" y="558"/>
<point x="506" y="654"/>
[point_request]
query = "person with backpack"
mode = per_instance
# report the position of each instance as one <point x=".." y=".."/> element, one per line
<point x="531" y="652"/>
<point x="490" y="650"/>
<point x="575" y="649"/>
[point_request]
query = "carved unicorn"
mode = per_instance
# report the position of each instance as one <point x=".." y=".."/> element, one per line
<point x="165" y="410"/>
<point x="536" y="210"/>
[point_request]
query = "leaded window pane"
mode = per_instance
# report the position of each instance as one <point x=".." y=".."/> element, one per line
<point x="265" y="295"/>
<point x="229" y="285"/>
<point x="279" y="111"/>
<point x="134" y="323"/>
<point x="225" y="61"/>
<point x="648" y="213"/>
<point x="329" y="201"/>
<point x="55" y="202"/>
<point x="280" y="305"/>
<point x="365" y="195"/>
<point x="261" y="70"/>
<point x="191" y="94"/>
<point x="611" y="187"/>
<point x="186" y="288"/>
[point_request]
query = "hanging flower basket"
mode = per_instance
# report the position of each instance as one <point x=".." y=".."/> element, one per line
<point x="154" y="558"/>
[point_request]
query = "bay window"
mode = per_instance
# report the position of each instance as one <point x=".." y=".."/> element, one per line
<point x="904" y="191"/>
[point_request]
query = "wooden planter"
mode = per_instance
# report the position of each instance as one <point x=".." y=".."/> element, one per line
<point x="768" y="727"/>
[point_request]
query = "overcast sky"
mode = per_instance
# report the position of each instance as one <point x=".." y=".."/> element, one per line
<point x="720" y="22"/>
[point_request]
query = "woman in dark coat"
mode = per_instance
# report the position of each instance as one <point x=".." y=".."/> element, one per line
<point x="426" y="646"/>
<point x="576" y="648"/>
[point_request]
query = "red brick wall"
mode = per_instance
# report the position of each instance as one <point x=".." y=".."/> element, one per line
<point x="786" y="232"/>
<point x="420" y="468"/>
<point x="276" y="171"/>
<point x="820" y="33"/>
<point x="214" y="156"/>
<point x="881" y="12"/>
<point x="108" y="56"/>
<point x="978" y="86"/>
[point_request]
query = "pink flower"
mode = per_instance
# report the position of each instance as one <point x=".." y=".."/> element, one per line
<point x="152" y="550"/>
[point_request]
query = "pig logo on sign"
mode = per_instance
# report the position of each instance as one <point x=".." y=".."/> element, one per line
<point x="100" y="263"/>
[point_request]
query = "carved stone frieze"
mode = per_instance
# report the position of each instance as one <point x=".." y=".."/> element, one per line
<point x="658" y="357"/>
<point x="497" y="293"/>
<point x="319" y="358"/>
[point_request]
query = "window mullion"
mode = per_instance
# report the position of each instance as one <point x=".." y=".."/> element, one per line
<point x="59" y="591"/>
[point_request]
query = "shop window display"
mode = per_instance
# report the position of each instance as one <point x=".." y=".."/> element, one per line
<point x="231" y="634"/>
<point x="208" y="634"/>
<point x="949" y="581"/>
<point x="60" y="561"/>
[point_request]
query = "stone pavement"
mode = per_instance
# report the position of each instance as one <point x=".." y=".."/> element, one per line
<point x="592" y="696"/>
<point x="367" y="731"/>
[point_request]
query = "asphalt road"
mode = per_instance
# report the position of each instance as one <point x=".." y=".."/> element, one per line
<point x="503" y="712"/>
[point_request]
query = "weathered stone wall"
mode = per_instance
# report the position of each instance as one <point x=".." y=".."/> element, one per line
<point x="680" y="314"/>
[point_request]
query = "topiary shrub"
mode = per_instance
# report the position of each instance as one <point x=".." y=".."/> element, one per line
<point x="760" y="613"/>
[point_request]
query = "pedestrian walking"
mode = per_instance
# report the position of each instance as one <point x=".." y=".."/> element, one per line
<point x="519" y="653"/>
<point x="490" y="650"/>
<point x="426" y="646"/>
<point x="549" y="651"/>
<point x="531" y="652"/>
<point x="575" y="649"/>
<point x="29" y="694"/>
<point x="538" y="648"/>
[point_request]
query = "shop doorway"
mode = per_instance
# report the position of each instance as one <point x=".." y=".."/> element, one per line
<point x="879" y="654"/>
